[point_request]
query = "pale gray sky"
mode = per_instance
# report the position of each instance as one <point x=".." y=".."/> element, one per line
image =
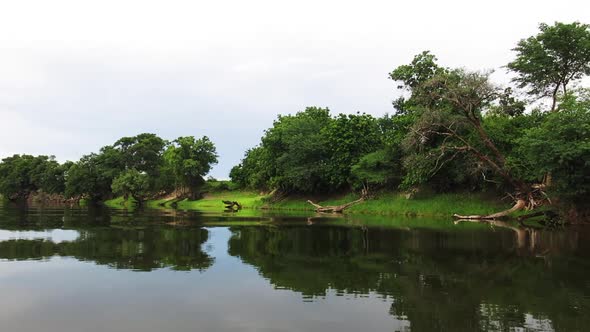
<point x="77" y="75"/>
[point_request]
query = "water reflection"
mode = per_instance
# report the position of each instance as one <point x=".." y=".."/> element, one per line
<point x="466" y="281"/>
<point x="290" y="273"/>
<point x="143" y="249"/>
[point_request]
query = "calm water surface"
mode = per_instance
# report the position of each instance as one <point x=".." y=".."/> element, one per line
<point x="91" y="269"/>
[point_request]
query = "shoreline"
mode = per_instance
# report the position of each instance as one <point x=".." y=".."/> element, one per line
<point x="387" y="203"/>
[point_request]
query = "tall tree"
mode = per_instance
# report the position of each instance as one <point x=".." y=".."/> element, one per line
<point x="349" y="138"/>
<point x="91" y="177"/>
<point x="190" y="159"/>
<point x="295" y="152"/>
<point x="142" y="152"/>
<point x="449" y="124"/>
<point x="551" y="60"/>
<point x="132" y="183"/>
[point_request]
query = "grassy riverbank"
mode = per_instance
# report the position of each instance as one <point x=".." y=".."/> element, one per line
<point x="383" y="204"/>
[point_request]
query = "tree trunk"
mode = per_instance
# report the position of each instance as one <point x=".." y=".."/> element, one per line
<point x="554" y="96"/>
<point x="334" y="208"/>
<point x="520" y="204"/>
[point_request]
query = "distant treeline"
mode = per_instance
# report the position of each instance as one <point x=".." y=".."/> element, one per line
<point x="140" y="167"/>
<point x="452" y="129"/>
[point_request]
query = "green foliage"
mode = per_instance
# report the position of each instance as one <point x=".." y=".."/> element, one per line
<point x="254" y="170"/>
<point x="21" y="175"/>
<point x="422" y="68"/>
<point x="506" y="130"/>
<point x="213" y="186"/>
<point x="559" y="146"/>
<point x="142" y="152"/>
<point x="292" y="156"/>
<point x="557" y="56"/>
<point x="131" y="183"/>
<point x="141" y="165"/>
<point x="190" y="160"/>
<point x="349" y="137"/>
<point x="445" y="129"/>
<point x="309" y="152"/>
<point x="90" y="177"/>
<point x="298" y="151"/>
<point x="377" y="169"/>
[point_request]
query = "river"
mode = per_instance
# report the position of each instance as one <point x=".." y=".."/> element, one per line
<point x="98" y="269"/>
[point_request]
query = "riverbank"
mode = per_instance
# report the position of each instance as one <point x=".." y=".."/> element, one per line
<point x="383" y="204"/>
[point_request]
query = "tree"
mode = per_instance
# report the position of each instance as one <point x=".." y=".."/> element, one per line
<point x="254" y="170"/>
<point x="142" y="152"/>
<point x="560" y="145"/>
<point x="90" y="177"/>
<point x="310" y="152"/>
<point x="376" y="168"/>
<point x="21" y="175"/>
<point x="349" y="138"/>
<point x="293" y="154"/>
<point x="190" y="159"/>
<point x="132" y="183"/>
<point x="450" y="119"/>
<point x="422" y="68"/>
<point x="551" y="60"/>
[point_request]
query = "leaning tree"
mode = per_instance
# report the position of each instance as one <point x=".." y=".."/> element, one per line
<point x="451" y="106"/>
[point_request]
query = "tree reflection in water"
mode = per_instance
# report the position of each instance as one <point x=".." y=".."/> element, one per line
<point x="455" y="280"/>
<point x="141" y="248"/>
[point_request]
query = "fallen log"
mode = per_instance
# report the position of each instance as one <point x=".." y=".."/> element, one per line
<point x="232" y="205"/>
<point x="519" y="205"/>
<point x="334" y="208"/>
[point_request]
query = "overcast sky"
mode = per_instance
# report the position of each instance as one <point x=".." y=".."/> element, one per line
<point x="77" y="75"/>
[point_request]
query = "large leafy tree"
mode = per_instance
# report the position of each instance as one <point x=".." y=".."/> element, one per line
<point x="312" y="152"/>
<point x="132" y="183"/>
<point x="349" y="138"/>
<point x="295" y="153"/>
<point x="551" y="60"/>
<point x="450" y="108"/>
<point x="91" y="176"/>
<point x="190" y="160"/>
<point x="255" y="169"/>
<point x="142" y="152"/>
<point x="21" y="175"/>
<point x="559" y="145"/>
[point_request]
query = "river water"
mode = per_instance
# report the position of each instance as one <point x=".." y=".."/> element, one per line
<point x="97" y="269"/>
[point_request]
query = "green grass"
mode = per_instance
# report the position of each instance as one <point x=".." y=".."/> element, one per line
<point x="120" y="202"/>
<point x="435" y="205"/>
<point x="248" y="200"/>
<point x="438" y="205"/>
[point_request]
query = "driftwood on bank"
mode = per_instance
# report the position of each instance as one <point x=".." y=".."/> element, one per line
<point x="334" y="208"/>
<point x="519" y="205"/>
<point x="232" y="205"/>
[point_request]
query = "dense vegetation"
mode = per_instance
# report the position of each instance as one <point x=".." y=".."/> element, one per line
<point x="140" y="167"/>
<point x="452" y="129"/>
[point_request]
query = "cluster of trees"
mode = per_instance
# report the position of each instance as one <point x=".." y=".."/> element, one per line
<point x="140" y="166"/>
<point x="453" y="128"/>
<point x="313" y="152"/>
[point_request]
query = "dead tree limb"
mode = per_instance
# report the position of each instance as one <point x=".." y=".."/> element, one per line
<point x="520" y="204"/>
<point x="335" y="208"/>
<point x="232" y="205"/>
